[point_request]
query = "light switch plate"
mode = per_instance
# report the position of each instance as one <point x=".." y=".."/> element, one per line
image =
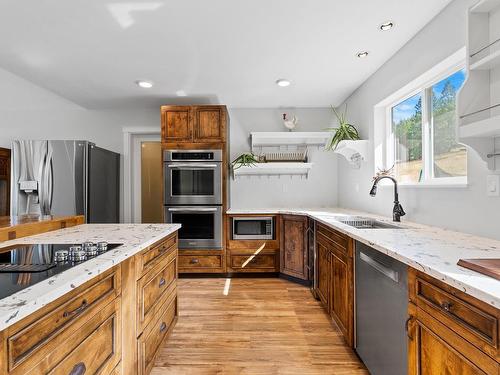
<point x="493" y="185"/>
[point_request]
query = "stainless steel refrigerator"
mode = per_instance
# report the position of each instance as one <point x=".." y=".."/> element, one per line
<point x="65" y="178"/>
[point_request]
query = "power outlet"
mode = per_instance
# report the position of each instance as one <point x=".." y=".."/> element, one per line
<point x="493" y="185"/>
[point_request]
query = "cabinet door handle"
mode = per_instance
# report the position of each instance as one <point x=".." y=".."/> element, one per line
<point x="407" y="327"/>
<point x="163" y="327"/>
<point x="446" y="306"/>
<point x="78" y="369"/>
<point x="78" y="310"/>
<point x="194" y="261"/>
<point x="162" y="282"/>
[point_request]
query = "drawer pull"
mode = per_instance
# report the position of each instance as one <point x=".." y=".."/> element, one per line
<point x="446" y="306"/>
<point x="163" y="249"/>
<point x="162" y="282"/>
<point x="407" y="327"/>
<point x="194" y="261"/>
<point x="78" y="369"/>
<point x="78" y="310"/>
<point x="163" y="326"/>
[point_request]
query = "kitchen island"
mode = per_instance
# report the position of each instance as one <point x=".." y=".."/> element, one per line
<point x="110" y="312"/>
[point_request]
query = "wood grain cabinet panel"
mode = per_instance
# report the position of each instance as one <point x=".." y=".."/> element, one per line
<point x="336" y="278"/>
<point x="5" y="182"/>
<point x="323" y="271"/>
<point x="294" y="254"/>
<point x="150" y="257"/>
<point x="209" y="124"/>
<point x="177" y="124"/>
<point x="435" y="349"/>
<point x="187" y="262"/>
<point x="99" y="351"/>
<point x="256" y="263"/>
<point x="33" y="340"/>
<point x="153" y="289"/>
<point x="340" y="303"/>
<point x="149" y="342"/>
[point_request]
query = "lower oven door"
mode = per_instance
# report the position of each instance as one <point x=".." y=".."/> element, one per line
<point x="201" y="227"/>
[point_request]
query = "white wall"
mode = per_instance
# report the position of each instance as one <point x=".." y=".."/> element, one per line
<point x="467" y="209"/>
<point x="319" y="190"/>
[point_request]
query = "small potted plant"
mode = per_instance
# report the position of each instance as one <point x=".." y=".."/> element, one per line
<point x="246" y="159"/>
<point x="345" y="130"/>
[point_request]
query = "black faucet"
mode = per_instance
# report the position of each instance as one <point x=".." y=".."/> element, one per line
<point x="397" y="211"/>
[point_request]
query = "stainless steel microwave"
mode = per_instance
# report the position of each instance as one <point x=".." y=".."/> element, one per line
<point x="253" y="228"/>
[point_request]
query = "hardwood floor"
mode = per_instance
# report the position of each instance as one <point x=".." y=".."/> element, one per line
<point x="253" y="326"/>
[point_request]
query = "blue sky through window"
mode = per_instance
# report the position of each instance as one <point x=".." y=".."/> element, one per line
<point x="406" y="108"/>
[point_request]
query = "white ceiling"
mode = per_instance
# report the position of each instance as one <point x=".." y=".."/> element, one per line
<point x="218" y="51"/>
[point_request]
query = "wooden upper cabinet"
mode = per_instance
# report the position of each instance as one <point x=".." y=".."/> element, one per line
<point x="194" y="124"/>
<point x="176" y="124"/>
<point x="294" y="257"/>
<point x="209" y="124"/>
<point x="4" y="182"/>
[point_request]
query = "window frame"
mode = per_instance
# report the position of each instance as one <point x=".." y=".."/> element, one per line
<point x="424" y="87"/>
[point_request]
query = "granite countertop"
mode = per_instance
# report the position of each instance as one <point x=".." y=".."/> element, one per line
<point x="432" y="250"/>
<point x="135" y="238"/>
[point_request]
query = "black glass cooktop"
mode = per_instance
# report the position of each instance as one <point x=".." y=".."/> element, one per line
<point x="24" y="265"/>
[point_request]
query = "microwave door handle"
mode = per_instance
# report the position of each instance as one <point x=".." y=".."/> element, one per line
<point x="192" y="209"/>
<point x="211" y="166"/>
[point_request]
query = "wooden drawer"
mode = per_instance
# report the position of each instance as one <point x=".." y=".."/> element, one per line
<point x="338" y="238"/>
<point x="200" y="261"/>
<point x="154" y="334"/>
<point x="334" y="246"/>
<point x="153" y="289"/>
<point x="254" y="263"/>
<point x="100" y="350"/>
<point x="50" y="327"/>
<point x="435" y="348"/>
<point x="148" y="258"/>
<point x="470" y="318"/>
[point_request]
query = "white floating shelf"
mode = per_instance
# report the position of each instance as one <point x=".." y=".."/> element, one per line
<point x="353" y="151"/>
<point x="485" y="6"/>
<point x="267" y="139"/>
<point x="488" y="62"/>
<point x="489" y="127"/>
<point x="263" y="169"/>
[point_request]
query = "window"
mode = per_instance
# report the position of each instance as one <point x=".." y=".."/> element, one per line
<point x="422" y="136"/>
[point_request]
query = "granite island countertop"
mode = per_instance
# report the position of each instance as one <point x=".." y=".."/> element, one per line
<point x="135" y="238"/>
<point x="432" y="250"/>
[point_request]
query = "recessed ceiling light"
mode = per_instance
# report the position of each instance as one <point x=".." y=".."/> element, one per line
<point x="386" y="26"/>
<point x="362" y="55"/>
<point x="144" y="84"/>
<point x="283" y="82"/>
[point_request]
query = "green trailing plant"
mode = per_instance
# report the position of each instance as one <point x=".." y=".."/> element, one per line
<point x="345" y="130"/>
<point x="246" y="159"/>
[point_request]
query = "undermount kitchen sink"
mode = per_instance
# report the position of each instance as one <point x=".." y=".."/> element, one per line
<point x="366" y="223"/>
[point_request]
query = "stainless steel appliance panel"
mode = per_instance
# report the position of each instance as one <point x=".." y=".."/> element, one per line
<point x="192" y="177"/>
<point x="381" y="311"/>
<point x="103" y="186"/>
<point x="253" y="228"/>
<point x="201" y="226"/>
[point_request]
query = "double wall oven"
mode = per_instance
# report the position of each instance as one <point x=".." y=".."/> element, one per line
<point x="193" y="196"/>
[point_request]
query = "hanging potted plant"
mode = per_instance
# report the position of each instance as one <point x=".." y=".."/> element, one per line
<point x="345" y="130"/>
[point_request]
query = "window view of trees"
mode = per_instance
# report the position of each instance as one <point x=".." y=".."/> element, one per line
<point x="449" y="159"/>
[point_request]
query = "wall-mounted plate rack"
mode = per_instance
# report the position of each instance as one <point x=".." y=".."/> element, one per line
<point x="274" y="169"/>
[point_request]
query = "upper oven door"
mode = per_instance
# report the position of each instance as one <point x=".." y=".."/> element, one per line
<point x="192" y="183"/>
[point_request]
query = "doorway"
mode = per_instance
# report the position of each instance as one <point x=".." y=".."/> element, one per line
<point x="151" y="182"/>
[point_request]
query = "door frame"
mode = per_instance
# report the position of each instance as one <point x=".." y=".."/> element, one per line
<point x="132" y="137"/>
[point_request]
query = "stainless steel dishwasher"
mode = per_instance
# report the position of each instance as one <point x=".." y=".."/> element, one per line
<point x="381" y="311"/>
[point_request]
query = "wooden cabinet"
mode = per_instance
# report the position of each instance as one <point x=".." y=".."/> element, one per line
<point x="335" y="269"/>
<point x="114" y="323"/>
<point x="294" y="246"/>
<point x="193" y="124"/>
<point x="323" y="271"/>
<point x="253" y="256"/>
<point x="4" y="182"/>
<point x="88" y="316"/>
<point x="449" y="332"/>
